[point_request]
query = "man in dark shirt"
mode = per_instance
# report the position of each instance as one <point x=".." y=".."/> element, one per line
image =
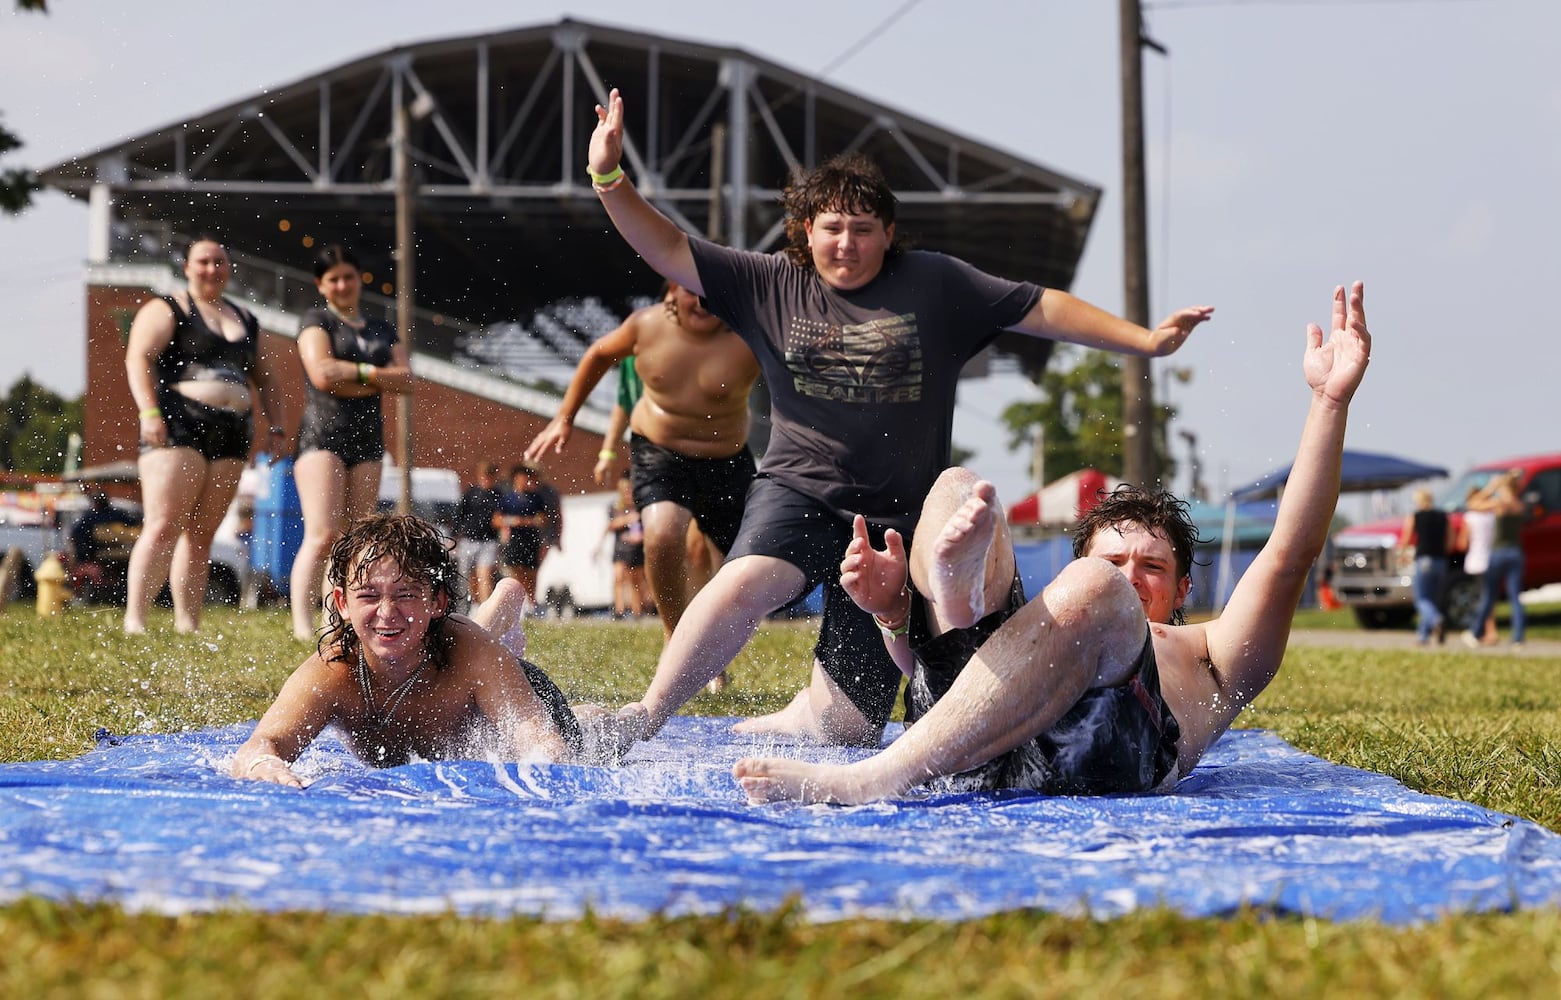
<point x="861" y="345"/>
<point x="477" y="539"/>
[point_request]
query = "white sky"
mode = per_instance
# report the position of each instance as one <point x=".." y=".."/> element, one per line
<point x="1293" y="145"/>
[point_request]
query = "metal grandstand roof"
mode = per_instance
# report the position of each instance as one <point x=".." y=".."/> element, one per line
<point x="506" y="219"/>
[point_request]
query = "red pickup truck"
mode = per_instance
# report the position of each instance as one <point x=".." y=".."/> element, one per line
<point x="1373" y="576"/>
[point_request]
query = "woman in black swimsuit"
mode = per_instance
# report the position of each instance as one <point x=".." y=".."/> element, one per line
<point x="195" y="369"/>
<point x="349" y="362"/>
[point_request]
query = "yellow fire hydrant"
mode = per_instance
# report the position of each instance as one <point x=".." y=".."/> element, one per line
<point x="52" y="592"/>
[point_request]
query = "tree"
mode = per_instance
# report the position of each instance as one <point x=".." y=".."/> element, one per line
<point x="35" y="428"/>
<point x="1080" y="416"/>
<point x="17" y="184"/>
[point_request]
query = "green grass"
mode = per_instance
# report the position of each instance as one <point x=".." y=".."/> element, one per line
<point x="1481" y="727"/>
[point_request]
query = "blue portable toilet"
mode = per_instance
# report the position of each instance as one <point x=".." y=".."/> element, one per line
<point x="279" y="523"/>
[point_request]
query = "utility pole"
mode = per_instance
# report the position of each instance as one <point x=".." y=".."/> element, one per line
<point x="405" y="300"/>
<point x="1138" y="455"/>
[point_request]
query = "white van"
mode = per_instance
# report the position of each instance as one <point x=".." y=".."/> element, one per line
<point x="577" y="573"/>
<point x="435" y="493"/>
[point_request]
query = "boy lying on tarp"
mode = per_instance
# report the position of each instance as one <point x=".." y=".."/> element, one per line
<point x="403" y="678"/>
<point x="1095" y="686"/>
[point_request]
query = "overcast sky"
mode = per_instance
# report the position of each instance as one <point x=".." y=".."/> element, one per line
<point x="1293" y="145"/>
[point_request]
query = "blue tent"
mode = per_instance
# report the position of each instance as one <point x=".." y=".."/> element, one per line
<point x="1362" y="471"/>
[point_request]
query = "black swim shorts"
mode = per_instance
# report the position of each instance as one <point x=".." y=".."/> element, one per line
<point x="556" y="704"/>
<point x="1115" y="740"/>
<point x="712" y="489"/>
<point x="215" y="433"/>
<point x="785" y="524"/>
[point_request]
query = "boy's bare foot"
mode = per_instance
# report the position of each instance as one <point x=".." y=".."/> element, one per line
<point x="781" y="779"/>
<point x="718" y="683"/>
<point x="796" y="719"/>
<point x="958" y="576"/>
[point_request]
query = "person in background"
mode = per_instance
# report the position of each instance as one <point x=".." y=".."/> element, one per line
<point x="99" y="529"/>
<point x="1476" y="536"/>
<point x="1506" y="561"/>
<point x="196" y="372"/>
<point x="520" y="521"/>
<point x="552" y="534"/>
<point x="1426" y="532"/>
<point x="350" y="361"/>
<point x="628" y="552"/>
<point x="477" y="539"/>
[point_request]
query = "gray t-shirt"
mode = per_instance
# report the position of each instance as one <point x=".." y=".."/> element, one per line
<point x="862" y="383"/>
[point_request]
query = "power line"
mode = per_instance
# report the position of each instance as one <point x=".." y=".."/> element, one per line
<point x="868" y="38"/>
<point x="1190" y="4"/>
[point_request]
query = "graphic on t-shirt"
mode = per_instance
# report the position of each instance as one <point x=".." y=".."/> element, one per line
<point x="874" y="362"/>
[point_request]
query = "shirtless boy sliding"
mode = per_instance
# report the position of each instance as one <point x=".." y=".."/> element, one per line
<point x="402" y="677"/>
<point x="1090" y="688"/>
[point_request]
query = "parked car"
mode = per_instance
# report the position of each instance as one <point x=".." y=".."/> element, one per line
<point x="39" y="522"/>
<point x="1374" y="576"/>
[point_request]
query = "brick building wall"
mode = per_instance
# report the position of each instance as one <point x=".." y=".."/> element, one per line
<point x="451" y="428"/>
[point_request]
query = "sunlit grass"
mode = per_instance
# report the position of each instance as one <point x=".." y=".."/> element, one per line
<point x="1482" y="727"/>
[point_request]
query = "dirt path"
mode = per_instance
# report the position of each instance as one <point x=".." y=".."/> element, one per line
<point x="1405" y="639"/>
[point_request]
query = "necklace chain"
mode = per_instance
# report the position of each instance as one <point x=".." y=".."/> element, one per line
<point x="394" y="699"/>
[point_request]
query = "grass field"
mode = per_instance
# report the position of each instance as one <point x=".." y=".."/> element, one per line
<point x="1482" y="727"/>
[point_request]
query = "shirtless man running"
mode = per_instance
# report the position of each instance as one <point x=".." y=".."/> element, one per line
<point x="1089" y="688"/>
<point x="689" y="457"/>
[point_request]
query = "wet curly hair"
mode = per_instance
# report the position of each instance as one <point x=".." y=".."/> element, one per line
<point x="1157" y="510"/>
<point x="411" y="543"/>
<point x="848" y="183"/>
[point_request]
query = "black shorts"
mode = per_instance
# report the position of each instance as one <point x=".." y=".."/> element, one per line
<point x="556" y="704"/>
<point x="1115" y="740"/>
<point x="785" y="524"/>
<point x="353" y="439"/>
<point x="630" y="554"/>
<point x="523" y="550"/>
<point x="712" y="489"/>
<point x="214" y="432"/>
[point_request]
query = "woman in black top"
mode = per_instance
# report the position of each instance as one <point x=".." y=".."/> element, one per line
<point x="1426" y="530"/>
<point x="349" y="362"/>
<point x="195" y="369"/>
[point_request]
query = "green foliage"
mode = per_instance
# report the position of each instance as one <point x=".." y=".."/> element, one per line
<point x="1475" y="725"/>
<point x="1080" y="416"/>
<point x="35" y="428"/>
<point x="17" y="185"/>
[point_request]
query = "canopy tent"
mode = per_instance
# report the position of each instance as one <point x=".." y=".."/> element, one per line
<point x="1361" y="472"/>
<point x="1063" y="501"/>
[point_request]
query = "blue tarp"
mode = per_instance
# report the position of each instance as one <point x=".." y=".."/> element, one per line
<point x="154" y="823"/>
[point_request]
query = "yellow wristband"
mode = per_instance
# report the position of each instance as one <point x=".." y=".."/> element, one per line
<point x="364" y="371"/>
<point x="607" y="178"/>
<point x="607" y="454"/>
<point x="151" y="413"/>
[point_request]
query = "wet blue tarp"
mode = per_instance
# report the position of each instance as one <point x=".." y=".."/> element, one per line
<point x="154" y="823"/>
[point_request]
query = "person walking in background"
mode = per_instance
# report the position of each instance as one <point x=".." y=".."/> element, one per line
<point x="477" y="538"/>
<point x="627" y="531"/>
<point x="1506" y="565"/>
<point x="520" y="521"/>
<point x="196" y="371"/>
<point x="1476" y="536"/>
<point x="349" y="361"/>
<point x="1425" y="530"/>
<point x="552" y="533"/>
